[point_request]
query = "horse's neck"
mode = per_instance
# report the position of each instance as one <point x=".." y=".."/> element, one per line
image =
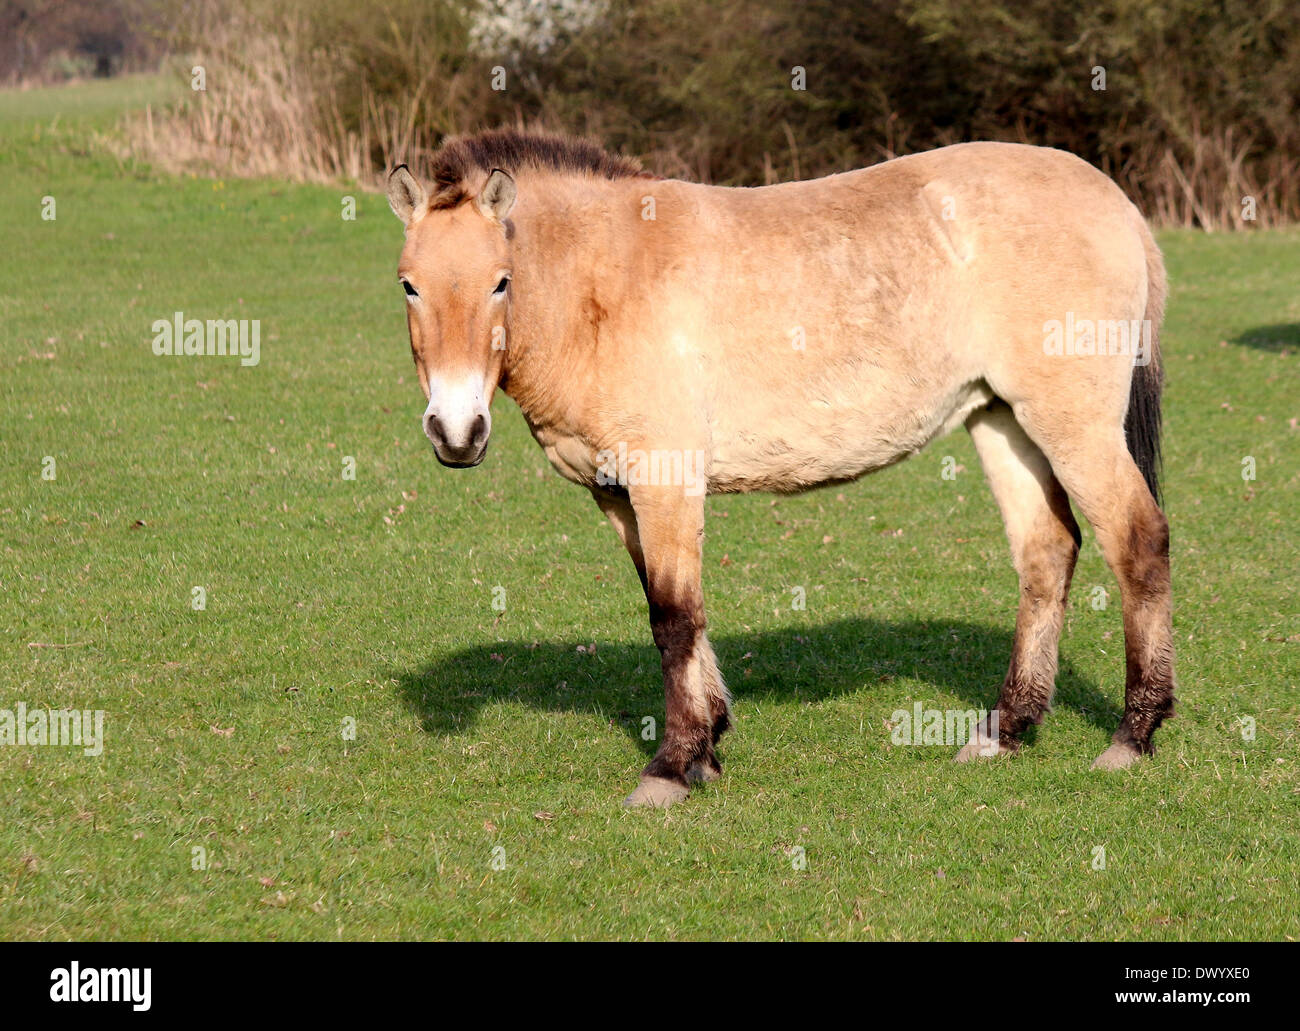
<point x="562" y="248"/>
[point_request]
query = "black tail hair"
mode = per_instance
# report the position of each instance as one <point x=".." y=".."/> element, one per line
<point x="1142" y="423"/>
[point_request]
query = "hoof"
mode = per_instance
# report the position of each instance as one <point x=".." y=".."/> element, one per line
<point x="1119" y="756"/>
<point x="981" y="746"/>
<point x="656" y="792"/>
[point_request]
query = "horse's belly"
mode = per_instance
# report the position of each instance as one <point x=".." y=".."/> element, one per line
<point x="751" y="463"/>
<point x="803" y="445"/>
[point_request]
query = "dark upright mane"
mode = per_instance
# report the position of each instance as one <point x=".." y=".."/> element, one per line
<point x="460" y="158"/>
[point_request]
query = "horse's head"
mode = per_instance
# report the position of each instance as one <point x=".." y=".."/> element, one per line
<point x="456" y="269"/>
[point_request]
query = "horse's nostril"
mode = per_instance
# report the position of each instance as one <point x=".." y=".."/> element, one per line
<point x="433" y="429"/>
<point x="478" y="429"/>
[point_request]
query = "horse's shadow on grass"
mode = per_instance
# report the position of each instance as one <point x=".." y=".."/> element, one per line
<point x="1282" y="336"/>
<point x="808" y="663"/>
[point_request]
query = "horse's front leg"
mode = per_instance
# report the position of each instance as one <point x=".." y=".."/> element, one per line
<point x="669" y="530"/>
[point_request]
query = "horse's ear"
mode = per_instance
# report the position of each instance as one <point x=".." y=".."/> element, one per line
<point x="497" y="196"/>
<point x="405" y="195"/>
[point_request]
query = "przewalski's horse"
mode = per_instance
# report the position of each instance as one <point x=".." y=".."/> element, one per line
<point x="781" y="338"/>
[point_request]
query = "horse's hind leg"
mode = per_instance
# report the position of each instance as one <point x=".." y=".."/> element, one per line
<point x="1097" y="470"/>
<point x="1044" y="544"/>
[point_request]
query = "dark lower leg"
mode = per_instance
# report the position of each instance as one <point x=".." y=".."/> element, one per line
<point x="1148" y="632"/>
<point x="1046" y="566"/>
<point x="1141" y="563"/>
<point x="695" y="701"/>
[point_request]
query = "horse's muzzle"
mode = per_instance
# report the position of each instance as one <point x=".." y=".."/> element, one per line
<point x="458" y="448"/>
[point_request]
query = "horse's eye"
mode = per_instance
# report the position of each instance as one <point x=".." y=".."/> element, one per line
<point x="410" y="290"/>
<point x="501" y="286"/>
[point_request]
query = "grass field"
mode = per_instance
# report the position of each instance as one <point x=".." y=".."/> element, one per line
<point x="480" y="797"/>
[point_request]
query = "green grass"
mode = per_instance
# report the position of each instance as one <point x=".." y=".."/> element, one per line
<point x="370" y="599"/>
<point x="96" y="102"/>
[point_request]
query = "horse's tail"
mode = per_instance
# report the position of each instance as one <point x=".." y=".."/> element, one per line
<point x="1142" y="423"/>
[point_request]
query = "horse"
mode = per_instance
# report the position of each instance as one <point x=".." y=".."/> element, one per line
<point x="666" y="340"/>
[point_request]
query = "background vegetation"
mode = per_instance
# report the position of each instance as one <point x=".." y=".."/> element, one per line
<point x="45" y="41"/>
<point x="1201" y="106"/>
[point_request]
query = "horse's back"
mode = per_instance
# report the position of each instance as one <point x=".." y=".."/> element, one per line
<point x="860" y="315"/>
